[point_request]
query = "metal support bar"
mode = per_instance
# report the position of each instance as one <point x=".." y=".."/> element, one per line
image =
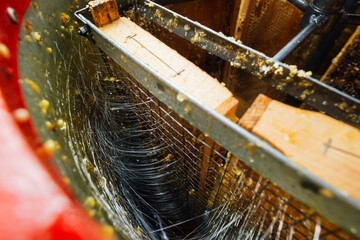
<point x="329" y="40"/>
<point x="300" y="4"/>
<point x="327" y="6"/>
<point x="296" y="41"/>
<point x="351" y="18"/>
<point x="166" y="2"/>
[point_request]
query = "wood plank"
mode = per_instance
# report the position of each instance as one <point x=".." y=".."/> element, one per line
<point x="103" y="11"/>
<point x="324" y="146"/>
<point x="253" y="114"/>
<point x="171" y="65"/>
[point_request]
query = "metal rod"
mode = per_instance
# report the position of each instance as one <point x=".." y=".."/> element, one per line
<point x="166" y="2"/>
<point x="329" y="6"/>
<point x="300" y="4"/>
<point x="351" y="18"/>
<point x="296" y="41"/>
<point x="329" y="40"/>
<point x="323" y="50"/>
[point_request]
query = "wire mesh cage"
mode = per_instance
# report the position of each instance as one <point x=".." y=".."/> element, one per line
<point x="216" y="181"/>
<point x="155" y="148"/>
<point x="225" y="197"/>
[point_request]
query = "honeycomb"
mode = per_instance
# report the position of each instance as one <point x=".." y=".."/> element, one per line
<point x="267" y="25"/>
<point x="344" y="73"/>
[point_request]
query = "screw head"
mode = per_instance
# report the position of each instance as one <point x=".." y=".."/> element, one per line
<point x="83" y="31"/>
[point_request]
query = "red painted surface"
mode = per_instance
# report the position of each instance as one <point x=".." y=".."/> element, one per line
<point x="33" y="202"/>
<point x="32" y="205"/>
<point x="9" y="77"/>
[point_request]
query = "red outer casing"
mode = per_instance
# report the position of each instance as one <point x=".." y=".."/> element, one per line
<point x="33" y="202"/>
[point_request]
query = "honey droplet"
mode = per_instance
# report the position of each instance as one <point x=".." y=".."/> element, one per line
<point x="4" y="51"/>
<point x="21" y="115"/>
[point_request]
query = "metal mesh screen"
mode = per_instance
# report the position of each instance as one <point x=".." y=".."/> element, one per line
<point x="227" y="196"/>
